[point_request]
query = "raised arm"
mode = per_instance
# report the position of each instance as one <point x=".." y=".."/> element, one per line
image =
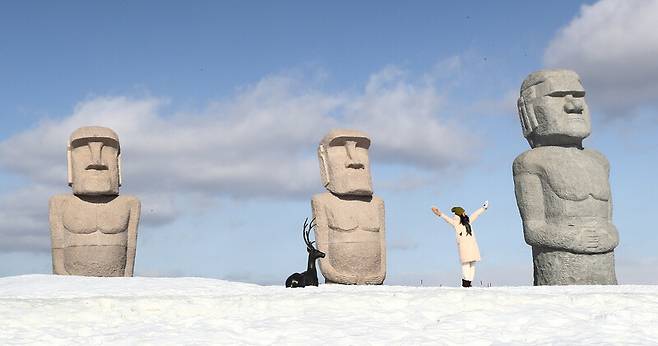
<point x="438" y="213"/>
<point x="477" y="213"/>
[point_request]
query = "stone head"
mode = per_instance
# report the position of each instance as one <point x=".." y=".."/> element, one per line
<point x="94" y="165"/>
<point x="552" y="109"/>
<point x="344" y="164"/>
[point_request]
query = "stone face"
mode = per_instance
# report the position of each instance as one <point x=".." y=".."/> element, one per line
<point x="562" y="189"/>
<point x="94" y="231"/>
<point x="93" y="161"/>
<point x="344" y="163"/>
<point x="350" y="219"/>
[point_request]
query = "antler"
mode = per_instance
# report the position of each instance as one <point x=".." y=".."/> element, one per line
<point x="305" y="232"/>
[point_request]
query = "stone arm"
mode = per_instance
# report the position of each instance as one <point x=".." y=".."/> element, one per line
<point x="57" y="234"/>
<point x="611" y="231"/>
<point x="604" y="238"/>
<point x="476" y="214"/>
<point x="131" y="246"/>
<point x="321" y="235"/>
<point x="537" y="231"/>
<point x="381" y="276"/>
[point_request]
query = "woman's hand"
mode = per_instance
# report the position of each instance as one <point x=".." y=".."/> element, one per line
<point x="436" y="211"/>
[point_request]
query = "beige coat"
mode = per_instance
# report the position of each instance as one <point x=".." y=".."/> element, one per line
<point x="468" y="246"/>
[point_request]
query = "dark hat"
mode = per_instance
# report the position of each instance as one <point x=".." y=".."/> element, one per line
<point x="458" y="210"/>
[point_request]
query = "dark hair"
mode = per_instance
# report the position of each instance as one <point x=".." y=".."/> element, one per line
<point x="464" y="220"/>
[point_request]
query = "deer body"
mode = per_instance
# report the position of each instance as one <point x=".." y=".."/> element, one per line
<point x="310" y="276"/>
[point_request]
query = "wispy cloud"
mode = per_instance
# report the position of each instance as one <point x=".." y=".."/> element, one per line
<point x="260" y="142"/>
<point x="613" y="45"/>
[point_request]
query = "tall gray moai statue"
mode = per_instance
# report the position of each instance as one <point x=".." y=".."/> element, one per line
<point x="562" y="189"/>
<point x="350" y="219"/>
<point x="94" y="231"/>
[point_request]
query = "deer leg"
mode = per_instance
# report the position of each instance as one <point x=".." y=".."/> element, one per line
<point x="295" y="280"/>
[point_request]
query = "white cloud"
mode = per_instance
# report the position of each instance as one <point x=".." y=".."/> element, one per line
<point x="260" y="142"/>
<point x="402" y="119"/>
<point x="613" y="45"/>
<point x="23" y="219"/>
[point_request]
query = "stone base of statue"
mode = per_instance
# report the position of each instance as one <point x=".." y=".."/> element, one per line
<point x="349" y="281"/>
<point x="552" y="267"/>
<point x="94" y="260"/>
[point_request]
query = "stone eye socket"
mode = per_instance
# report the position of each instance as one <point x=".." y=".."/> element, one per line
<point x="83" y="142"/>
<point x="575" y="94"/>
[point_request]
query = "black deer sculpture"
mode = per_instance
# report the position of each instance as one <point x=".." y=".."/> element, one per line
<point x="310" y="276"/>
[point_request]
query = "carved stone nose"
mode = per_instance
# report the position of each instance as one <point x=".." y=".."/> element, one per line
<point x="96" y="149"/>
<point x="352" y="158"/>
<point x="572" y="105"/>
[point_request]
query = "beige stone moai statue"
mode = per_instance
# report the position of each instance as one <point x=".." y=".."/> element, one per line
<point x="350" y="219"/>
<point x="94" y="231"/>
<point x="562" y="189"/>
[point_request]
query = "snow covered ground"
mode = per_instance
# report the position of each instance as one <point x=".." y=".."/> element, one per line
<point x="57" y="310"/>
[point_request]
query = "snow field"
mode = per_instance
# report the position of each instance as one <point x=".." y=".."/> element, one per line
<point x="59" y="310"/>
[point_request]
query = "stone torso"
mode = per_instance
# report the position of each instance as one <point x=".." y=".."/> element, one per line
<point x="570" y="226"/>
<point x="575" y="184"/>
<point x="85" y="223"/>
<point x="351" y="233"/>
<point x="93" y="235"/>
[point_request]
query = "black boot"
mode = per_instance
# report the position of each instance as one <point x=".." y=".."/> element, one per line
<point x="466" y="283"/>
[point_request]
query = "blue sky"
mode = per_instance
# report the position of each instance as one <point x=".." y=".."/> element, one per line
<point x="220" y="106"/>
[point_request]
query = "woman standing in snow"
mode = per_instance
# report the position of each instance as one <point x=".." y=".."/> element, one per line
<point x="469" y="253"/>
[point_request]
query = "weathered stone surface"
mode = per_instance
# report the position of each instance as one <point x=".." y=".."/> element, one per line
<point x="562" y="189"/>
<point x="350" y="220"/>
<point x="94" y="231"/>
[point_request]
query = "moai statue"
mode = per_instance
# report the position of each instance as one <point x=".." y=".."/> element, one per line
<point x="350" y="220"/>
<point x="94" y="231"/>
<point x="562" y="189"/>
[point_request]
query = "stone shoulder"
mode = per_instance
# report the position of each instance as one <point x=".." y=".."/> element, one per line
<point x="60" y="197"/>
<point x="377" y="200"/>
<point x="528" y="162"/>
<point x="54" y="202"/>
<point x="129" y="199"/>
<point x="597" y="155"/>
<point x="322" y="197"/>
